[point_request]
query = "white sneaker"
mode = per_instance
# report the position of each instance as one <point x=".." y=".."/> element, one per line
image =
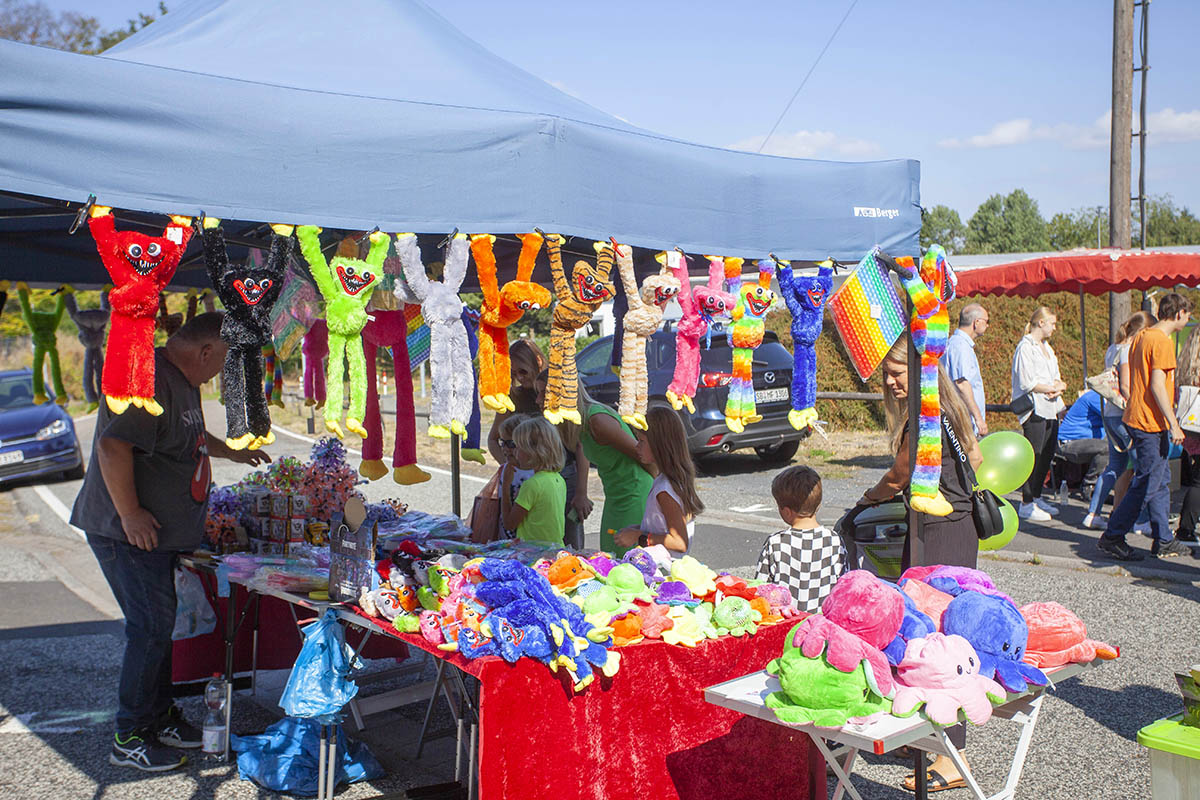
<point x="1049" y="508"/>
<point x="1093" y="521"/>
<point x="1031" y="511"/>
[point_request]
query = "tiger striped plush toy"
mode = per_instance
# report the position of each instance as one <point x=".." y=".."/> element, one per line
<point x="578" y="300"/>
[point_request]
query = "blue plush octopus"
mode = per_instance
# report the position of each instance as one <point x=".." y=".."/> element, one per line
<point x="998" y="632"/>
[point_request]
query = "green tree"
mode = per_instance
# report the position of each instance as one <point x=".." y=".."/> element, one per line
<point x="1078" y="228"/>
<point x="1009" y="224"/>
<point x="942" y="225"/>
<point x="34" y="23"/>
<point x="1166" y="224"/>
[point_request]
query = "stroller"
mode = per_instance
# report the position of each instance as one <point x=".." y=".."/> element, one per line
<point x="874" y="538"/>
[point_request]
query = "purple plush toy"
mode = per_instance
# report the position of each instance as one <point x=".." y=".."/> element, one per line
<point x="645" y="564"/>
<point x="602" y="564"/>
<point x="675" y="593"/>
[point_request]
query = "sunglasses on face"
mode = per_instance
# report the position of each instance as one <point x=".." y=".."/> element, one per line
<point x="507" y="443"/>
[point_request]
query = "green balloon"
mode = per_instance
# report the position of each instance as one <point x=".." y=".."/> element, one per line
<point x="1010" y="528"/>
<point x="1007" y="461"/>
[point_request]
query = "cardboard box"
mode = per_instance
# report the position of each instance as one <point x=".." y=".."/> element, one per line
<point x="351" y="553"/>
<point x="280" y="505"/>
<point x="262" y="501"/>
<point x="298" y="507"/>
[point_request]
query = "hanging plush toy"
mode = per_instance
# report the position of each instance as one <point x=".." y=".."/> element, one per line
<point x="805" y="297"/>
<point x="640" y="322"/>
<point x="347" y="285"/>
<point x="140" y="267"/>
<point x="44" y="326"/>
<point x="578" y="300"/>
<point x="931" y="288"/>
<point x="167" y="322"/>
<point x="92" y="324"/>
<point x="314" y="348"/>
<point x="390" y="329"/>
<point x="701" y="306"/>
<point x="503" y="307"/>
<point x="449" y="355"/>
<point x="248" y="292"/>
<point x="746" y="334"/>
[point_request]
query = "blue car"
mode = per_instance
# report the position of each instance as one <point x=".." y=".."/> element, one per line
<point x="34" y="440"/>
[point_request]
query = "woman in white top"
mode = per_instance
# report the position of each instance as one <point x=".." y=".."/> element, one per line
<point x="1035" y="373"/>
<point x="1120" y="456"/>
<point x="673" y="504"/>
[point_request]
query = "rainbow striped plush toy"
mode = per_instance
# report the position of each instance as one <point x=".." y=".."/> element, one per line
<point x="931" y="288"/>
<point x="746" y="334"/>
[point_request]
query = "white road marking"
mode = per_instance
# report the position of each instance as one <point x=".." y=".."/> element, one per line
<point x="750" y="509"/>
<point x="435" y="470"/>
<point x="43" y="722"/>
<point x="56" y="505"/>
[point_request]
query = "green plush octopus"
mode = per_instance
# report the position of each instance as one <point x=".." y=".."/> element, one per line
<point x="735" y="617"/>
<point x="44" y="326"/>
<point x="815" y="692"/>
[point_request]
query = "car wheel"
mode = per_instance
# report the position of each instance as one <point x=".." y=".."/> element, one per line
<point x="780" y="453"/>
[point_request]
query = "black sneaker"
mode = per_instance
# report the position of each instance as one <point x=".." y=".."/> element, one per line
<point x="175" y="731"/>
<point x="138" y="750"/>
<point x="1118" y="549"/>
<point x="1186" y="536"/>
<point x="1172" y="549"/>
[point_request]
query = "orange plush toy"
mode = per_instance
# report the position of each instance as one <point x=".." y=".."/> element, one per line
<point x="501" y="308"/>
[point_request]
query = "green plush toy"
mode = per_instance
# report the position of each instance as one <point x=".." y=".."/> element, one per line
<point x="44" y="326"/>
<point x="735" y="617"/>
<point x="815" y="692"/>
<point x="347" y="285"/>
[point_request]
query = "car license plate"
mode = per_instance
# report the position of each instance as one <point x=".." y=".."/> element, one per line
<point x="771" y="395"/>
<point x="15" y="457"/>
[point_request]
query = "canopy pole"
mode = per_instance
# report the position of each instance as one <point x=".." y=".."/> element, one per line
<point x="1083" y="331"/>
<point x="455" y="477"/>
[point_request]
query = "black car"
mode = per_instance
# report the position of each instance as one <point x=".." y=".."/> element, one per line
<point x="773" y="439"/>
<point x="34" y="440"/>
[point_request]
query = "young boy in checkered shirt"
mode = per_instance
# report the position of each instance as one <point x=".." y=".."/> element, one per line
<point x="807" y="557"/>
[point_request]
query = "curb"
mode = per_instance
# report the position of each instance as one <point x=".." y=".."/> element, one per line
<point x="1131" y="570"/>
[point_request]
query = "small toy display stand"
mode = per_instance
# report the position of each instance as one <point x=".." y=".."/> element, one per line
<point x="1174" y="758"/>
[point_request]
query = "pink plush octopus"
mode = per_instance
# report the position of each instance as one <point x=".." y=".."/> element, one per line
<point x="1057" y="637"/>
<point x="941" y="673"/>
<point x="845" y="652"/>
<point x="655" y="620"/>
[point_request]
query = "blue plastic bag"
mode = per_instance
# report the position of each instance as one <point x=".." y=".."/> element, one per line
<point x="319" y="685"/>
<point x="283" y="758"/>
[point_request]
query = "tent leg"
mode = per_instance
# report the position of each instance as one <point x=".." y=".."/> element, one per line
<point x="1083" y="331"/>
<point x="455" y="478"/>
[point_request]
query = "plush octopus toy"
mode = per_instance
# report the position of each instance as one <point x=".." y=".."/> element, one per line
<point x="746" y="334"/>
<point x="44" y="326"/>
<point x="805" y="297"/>
<point x="346" y="284"/>
<point x="589" y="287"/>
<point x="700" y="306"/>
<point x="640" y="322"/>
<point x="503" y="307"/>
<point x="939" y="675"/>
<point x="449" y="354"/>
<point x="93" y="325"/>
<point x="390" y="329"/>
<point x="248" y="292"/>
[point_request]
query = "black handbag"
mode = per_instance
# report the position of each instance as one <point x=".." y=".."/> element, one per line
<point x="1022" y="405"/>
<point x="985" y="505"/>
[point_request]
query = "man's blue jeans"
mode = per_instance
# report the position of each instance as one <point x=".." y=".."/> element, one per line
<point x="1150" y="486"/>
<point x="144" y="585"/>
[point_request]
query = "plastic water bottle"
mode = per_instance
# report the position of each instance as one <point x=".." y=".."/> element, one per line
<point x="214" y="722"/>
<point x="1063" y="497"/>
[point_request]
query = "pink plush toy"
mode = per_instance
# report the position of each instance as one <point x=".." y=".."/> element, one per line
<point x="431" y="627"/>
<point x="845" y="651"/>
<point x="956" y="580"/>
<point x="942" y="673"/>
<point x="655" y="620"/>
<point x="1057" y="636"/>
<point x="700" y="306"/>
<point x="779" y="599"/>
<point x="314" y="349"/>
<point x="390" y="329"/>
<point x="929" y="600"/>
<point x="863" y="605"/>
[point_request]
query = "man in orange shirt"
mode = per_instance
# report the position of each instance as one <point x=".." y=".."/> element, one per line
<point x="1150" y="418"/>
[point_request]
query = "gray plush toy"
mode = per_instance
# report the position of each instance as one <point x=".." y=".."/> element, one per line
<point x="93" y="326"/>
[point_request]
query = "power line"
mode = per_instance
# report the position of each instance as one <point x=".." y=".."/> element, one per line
<point x="807" y="75"/>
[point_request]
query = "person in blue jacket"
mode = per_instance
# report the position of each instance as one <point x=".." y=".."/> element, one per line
<point x="1081" y="437"/>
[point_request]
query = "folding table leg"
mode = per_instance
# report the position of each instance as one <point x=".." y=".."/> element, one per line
<point x="331" y="764"/>
<point x="963" y="769"/>
<point x="1018" y="762"/>
<point x="321" y="765"/>
<point x="437" y="684"/>
<point x="473" y="764"/>
<point x="841" y="770"/>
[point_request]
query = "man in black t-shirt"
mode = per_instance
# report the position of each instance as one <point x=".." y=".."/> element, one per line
<point x="143" y="501"/>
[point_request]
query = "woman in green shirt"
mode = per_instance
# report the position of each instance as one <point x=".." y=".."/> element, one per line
<point x="611" y="448"/>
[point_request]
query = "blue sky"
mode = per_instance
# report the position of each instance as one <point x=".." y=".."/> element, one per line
<point x="989" y="96"/>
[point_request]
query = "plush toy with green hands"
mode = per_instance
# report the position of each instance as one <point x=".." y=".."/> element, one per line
<point x="44" y="326"/>
<point x="347" y="285"/>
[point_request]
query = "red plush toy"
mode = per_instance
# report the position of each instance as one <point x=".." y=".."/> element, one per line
<point x="390" y="329"/>
<point x="140" y="267"/>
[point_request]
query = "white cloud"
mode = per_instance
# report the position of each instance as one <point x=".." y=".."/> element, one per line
<point x="1167" y="125"/>
<point x="810" y="144"/>
<point x="1170" y="125"/>
<point x="1002" y="134"/>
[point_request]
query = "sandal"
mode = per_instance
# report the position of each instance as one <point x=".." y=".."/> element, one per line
<point x="936" y="782"/>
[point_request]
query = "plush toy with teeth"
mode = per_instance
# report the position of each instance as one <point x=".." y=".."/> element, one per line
<point x="639" y="324"/>
<point x="700" y="306"/>
<point x="746" y="334"/>
<point x="346" y="284"/>
<point x="390" y="329"/>
<point x="43" y="325"/>
<point x="140" y="267"/>
<point x="93" y="325"/>
<point x="805" y="297"/>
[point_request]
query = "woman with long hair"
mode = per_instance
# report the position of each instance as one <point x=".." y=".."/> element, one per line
<point x="673" y="503"/>
<point x="1035" y="374"/>
<point x="1189" y="375"/>
<point x="526" y="360"/>
<point x="574" y="471"/>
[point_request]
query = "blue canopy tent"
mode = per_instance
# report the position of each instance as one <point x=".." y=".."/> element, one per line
<point x="372" y="113"/>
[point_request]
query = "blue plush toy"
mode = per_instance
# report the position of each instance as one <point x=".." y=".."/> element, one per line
<point x="998" y="632"/>
<point x="805" y="297"/>
<point x="915" y="625"/>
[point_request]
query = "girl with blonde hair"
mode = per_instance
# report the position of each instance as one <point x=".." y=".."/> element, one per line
<point x="1035" y="376"/>
<point x="538" y="512"/>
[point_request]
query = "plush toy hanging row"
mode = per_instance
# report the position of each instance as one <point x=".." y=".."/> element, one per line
<point x="640" y="322"/>
<point x="589" y="287"/>
<point x="754" y="300"/>
<point x="449" y="355"/>
<point x="346" y="284"/>
<point x="248" y="292"/>
<point x="931" y="288"/>
<point x="43" y="325"/>
<point x="390" y="329"/>
<point x="805" y="297"/>
<point x="92" y="324"/>
<point x="700" y="306"/>
<point x="501" y="308"/>
<point x="140" y="266"/>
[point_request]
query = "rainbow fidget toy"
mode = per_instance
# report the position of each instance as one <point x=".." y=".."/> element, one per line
<point x="868" y="314"/>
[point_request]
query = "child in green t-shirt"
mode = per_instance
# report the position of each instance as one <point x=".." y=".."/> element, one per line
<point x="537" y="514"/>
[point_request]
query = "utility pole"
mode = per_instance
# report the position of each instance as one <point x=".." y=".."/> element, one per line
<point x="1119" y="151"/>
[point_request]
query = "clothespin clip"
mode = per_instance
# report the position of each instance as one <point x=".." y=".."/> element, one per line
<point x="198" y="222"/>
<point x="367" y="235"/>
<point x="442" y="244"/>
<point x="778" y="261"/>
<point x="82" y="215"/>
<point x="615" y="243"/>
<point x="539" y="232"/>
<point x="684" y="255"/>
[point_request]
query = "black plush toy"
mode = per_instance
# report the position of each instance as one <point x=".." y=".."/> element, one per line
<point x="247" y="292"/>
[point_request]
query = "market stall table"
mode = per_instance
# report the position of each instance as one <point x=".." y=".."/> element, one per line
<point x="887" y="732"/>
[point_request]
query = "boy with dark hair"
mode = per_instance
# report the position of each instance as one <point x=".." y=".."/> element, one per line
<point x="807" y="557"/>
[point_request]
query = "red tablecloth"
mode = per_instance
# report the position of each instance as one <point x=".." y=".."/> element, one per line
<point x="645" y="733"/>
